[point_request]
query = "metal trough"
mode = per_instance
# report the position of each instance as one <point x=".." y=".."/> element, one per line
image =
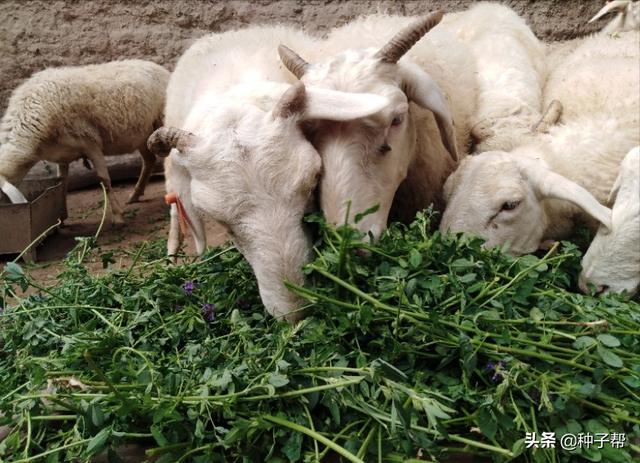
<point x="22" y="225"/>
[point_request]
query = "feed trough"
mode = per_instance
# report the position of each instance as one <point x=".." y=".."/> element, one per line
<point x="24" y="225"/>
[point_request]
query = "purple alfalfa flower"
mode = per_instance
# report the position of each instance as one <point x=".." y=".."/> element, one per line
<point x="208" y="312"/>
<point x="243" y="303"/>
<point x="179" y="308"/>
<point x="497" y="369"/>
<point x="189" y="286"/>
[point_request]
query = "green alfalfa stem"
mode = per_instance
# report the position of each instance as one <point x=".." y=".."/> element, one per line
<point x="314" y="435"/>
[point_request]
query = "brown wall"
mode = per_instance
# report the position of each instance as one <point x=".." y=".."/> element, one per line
<point x="42" y="33"/>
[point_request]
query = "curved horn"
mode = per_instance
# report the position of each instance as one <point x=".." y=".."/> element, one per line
<point x="408" y="37"/>
<point x="292" y="61"/>
<point x="163" y="140"/>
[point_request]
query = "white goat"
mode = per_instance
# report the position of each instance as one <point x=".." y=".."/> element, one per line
<point x="612" y="262"/>
<point x="64" y="114"/>
<point x="628" y="18"/>
<point x="410" y="147"/>
<point x="239" y="156"/>
<point x="529" y="195"/>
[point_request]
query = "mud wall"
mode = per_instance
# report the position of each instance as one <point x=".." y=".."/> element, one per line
<point x="41" y="33"/>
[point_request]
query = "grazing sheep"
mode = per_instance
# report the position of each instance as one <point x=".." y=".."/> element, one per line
<point x="628" y="18"/>
<point x="553" y="181"/>
<point x="64" y="114"/>
<point x="612" y="262"/>
<point x="239" y="155"/>
<point x="410" y="147"/>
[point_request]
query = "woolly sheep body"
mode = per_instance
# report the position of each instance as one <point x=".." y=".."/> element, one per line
<point x="511" y="71"/>
<point x="243" y="159"/>
<point x="612" y="262"/>
<point x="63" y="114"/>
<point x="599" y="85"/>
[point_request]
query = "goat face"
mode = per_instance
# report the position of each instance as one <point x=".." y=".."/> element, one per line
<point x="506" y="197"/>
<point x="364" y="160"/>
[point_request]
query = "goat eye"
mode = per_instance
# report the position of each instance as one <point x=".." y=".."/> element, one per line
<point x="384" y="149"/>
<point x="397" y="120"/>
<point x="510" y="205"/>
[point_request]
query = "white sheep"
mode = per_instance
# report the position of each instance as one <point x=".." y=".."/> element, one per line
<point x="542" y="189"/>
<point x="627" y="19"/>
<point x="612" y="262"/>
<point x="63" y="114"/>
<point x="410" y="147"/>
<point x="239" y="154"/>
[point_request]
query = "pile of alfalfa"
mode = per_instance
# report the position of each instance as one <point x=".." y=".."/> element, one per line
<point x="424" y="345"/>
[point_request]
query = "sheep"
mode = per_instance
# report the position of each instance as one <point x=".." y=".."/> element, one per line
<point x="238" y="154"/>
<point x="408" y="149"/>
<point x="628" y="18"/>
<point x="541" y="190"/>
<point x="63" y="114"/>
<point x="612" y="262"/>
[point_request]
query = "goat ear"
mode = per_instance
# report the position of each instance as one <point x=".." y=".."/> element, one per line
<point x="549" y="184"/>
<point x="422" y="90"/>
<point x="341" y="106"/>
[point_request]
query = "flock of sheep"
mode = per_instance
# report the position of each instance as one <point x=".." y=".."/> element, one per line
<point x="466" y="111"/>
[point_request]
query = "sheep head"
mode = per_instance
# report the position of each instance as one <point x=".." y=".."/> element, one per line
<point x="507" y="197"/>
<point x="365" y="160"/>
<point x="243" y="160"/>
<point x="612" y="262"/>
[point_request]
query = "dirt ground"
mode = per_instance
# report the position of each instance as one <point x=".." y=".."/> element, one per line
<point x="147" y="220"/>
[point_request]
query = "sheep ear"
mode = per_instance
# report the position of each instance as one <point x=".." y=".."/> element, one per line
<point x="549" y="184"/>
<point x="422" y="90"/>
<point x="341" y="106"/>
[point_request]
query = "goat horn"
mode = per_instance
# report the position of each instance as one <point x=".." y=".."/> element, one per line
<point x="408" y="37"/>
<point x="163" y="140"/>
<point x="550" y="117"/>
<point x="292" y="61"/>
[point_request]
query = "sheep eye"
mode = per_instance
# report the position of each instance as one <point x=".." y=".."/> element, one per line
<point x="510" y="205"/>
<point x="397" y="120"/>
<point x="384" y="149"/>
